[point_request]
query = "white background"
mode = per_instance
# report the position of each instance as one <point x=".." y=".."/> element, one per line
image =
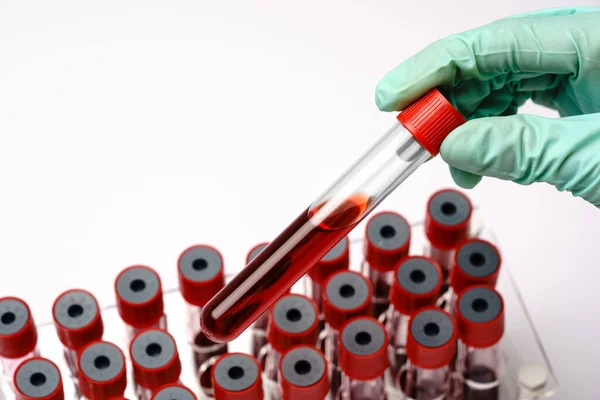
<point x="130" y="130"/>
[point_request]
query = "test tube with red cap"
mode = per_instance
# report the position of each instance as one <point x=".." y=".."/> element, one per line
<point x="237" y="376"/>
<point x="140" y="300"/>
<point x="479" y="362"/>
<point x="174" y="392"/>
<point x="417" y="284"/>
<point x="387" y="241"/>
<point x="155" y="361"/>
<point x="475" y="262"/>
<point x="414" y="139"/>
<point x="447" y="220"/>
<point x="293" y="320"/>
<point x="200" y="269"/>
<point x="431" y="347"/>
<point x="18" y="335"/>
<point x="363" y="343"/>
<point x="78" y="322"/>
<point x="38" y="379"/>
<point x="347" y="294"/>
<point x="102" y="371"/>
<point x="303" y="374"/>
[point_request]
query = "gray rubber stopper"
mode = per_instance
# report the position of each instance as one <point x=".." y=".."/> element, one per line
<point x="173" y="393"/>
<point x="294" y="314"/>
<point x="153" y="349"/>
<point x="255" y="251"/>
<point x="418" y="276"/>
<point x="37" y="378"/>
<point x="101" y="362"/>
<point x="138" y="285"/>
<point x="478" y="259"/>
<point x="75" y="309"/>
<point x="337" y="250"/>
<point x="347" y="290"/>
<point x="432" y="328"/>
<point x="363" y="337"/>
<point x="480" y="305"/>
<point x="303" y="366"/>
<point x="200" y="264"/>
<point x="388" y="231"/>
<point x="449" y="208"/>
<point x="13" y="316"/>
<point x="236" y="372"/>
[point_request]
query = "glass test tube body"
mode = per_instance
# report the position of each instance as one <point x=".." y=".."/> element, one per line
<point x="352" y="389"/>
<point x="320" y="227"/>
<point x="270" y="374"/>
<point x="397" y="326"/>
<point x="331" y="347"/>
<point x="131" y="331"/>
<point x="10" y="365"/>
<point x="204" y="349"/>
<point x="480" y="371"/>
<point x="424" y="383"/>
<point x="381" y="281"/>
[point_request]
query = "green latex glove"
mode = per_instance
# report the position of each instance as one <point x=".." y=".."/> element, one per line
<point x="550" y="56"/>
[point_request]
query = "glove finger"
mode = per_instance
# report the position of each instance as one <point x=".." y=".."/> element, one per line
<point x="464" y="179"/>
<point x="554" y="12"/>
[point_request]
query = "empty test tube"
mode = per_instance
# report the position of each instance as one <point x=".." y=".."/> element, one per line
<point x="363" y="360"/>
<point x="479" y="362"/>
<point x="155" y="361"/>
<point x="387" y="241"/>
<point x="78" y="322"/>
<point x="139" y="296"/>
<point x="174" y="392"/>
<point x="38" y="379"/>
<point x="417" y="284"/>
<point x="102" y="371"/>
<point x="303" y="374"/>
<point x="347" y="294"/>
<point x="431" y="347"/>
<point x="18" y="335"/>
<point x="200" y="269"/>
<point x="236" y="376"/>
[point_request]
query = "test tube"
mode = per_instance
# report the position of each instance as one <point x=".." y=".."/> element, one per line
<point x="78" y="322"/>
<point x="293" y="320"/>
<point x="446" y="225"/>
<point x="200" y="269"/>
<point x="18" y="336"/>
<point x="139" y="300"/>
<point x="236" y="376"/>
<point x="430" y="348"/>
<point x="155" y="361"/>
<point x="102" y="371"/>
<point x="479" y="362"/>
<point x="363" y="359"/>
<point x="174" y="392"/>
<point x="387" y="240"/>
<point x="417" y="284"/>
<point x="347" y="294"/>
<point x="416" y="137"/>
<point x="303" y="374"/>
<point x="259" y="327"/>
<point x="475" y="262"/>
<point x="38" y="379"/>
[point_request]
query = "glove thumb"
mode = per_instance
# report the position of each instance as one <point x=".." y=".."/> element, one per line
<point x="564" y="152"/>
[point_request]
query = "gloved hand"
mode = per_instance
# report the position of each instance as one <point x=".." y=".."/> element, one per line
<point x="550" y="56"/>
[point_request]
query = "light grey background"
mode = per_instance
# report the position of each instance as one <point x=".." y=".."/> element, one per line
<point x="131" y="130"/>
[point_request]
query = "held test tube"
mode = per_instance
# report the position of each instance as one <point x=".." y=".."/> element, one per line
<point x="416" y="138"/>
<point x="102" y="371"/>
<point x="38" y="379"/>
<point x="259" y="328"/>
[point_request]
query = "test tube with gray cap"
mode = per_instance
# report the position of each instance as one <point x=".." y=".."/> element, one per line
<point x="303" y="374"/>
<point x="155" y="361"/>
<point x="237" y="376"/>
<point x="102" y="371"/>
<point x="387" y="241"/>
<point x="38" y="379"/>
<point x="174" y="391"/>
<point x="18" y="336"/>
<point x="201" y="276"/>
<point x="363" y="343"/>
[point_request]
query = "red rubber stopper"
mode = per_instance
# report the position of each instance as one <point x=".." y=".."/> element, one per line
<point x="407" y="302"/>
<point x="447" y="237"/>
<point x="431" y="357"/>
<point x="77" y="338"/>
<point x="461" y="279"/>
<point x="144" y="314"/>
<point x="363" y="367"/>
<point x="478" y="334"/>
<point x="156" y="377"/>
<point x="281" y="340"/>
<point x="24" y="340"/>
<point x="338" y="258"/>
<point x="316" y="391"/>
<point x="100" y="390"/>
<point x="57" y="394"/>
<point x="173" y="385"/>
<point x="253" y="392"/>
<point x="336" y="316"/>
<point x="199" y="292"/>
<point x="430" y="119"/>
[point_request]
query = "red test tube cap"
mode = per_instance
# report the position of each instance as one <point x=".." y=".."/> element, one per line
<point x="303" y="374"/>
<point x="101" y="371"/>
<point x="18" y="335"/>
<point x="200" y="269"/>
<point x="236" y="376"/>
<point x="363" y="343"/>
<point x="347" y="294"/>
<point x="417" y="284"/>
<point x="480" y="316"/>
<point x="387" y="240"/>
<point x="293" y="320"/>
<point x="430" y="119"/>
<point x="77" y="319"/>
<point x="154" y="358"/>
<point x="174" y="392"/>
<point x="447" y="219"/>
<point x="38" y="379"/>
<point x="475" y="262"/>
<point x="139" y="296"/>
<point x="431" y="339"/>
<point x="336" y="259"/>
